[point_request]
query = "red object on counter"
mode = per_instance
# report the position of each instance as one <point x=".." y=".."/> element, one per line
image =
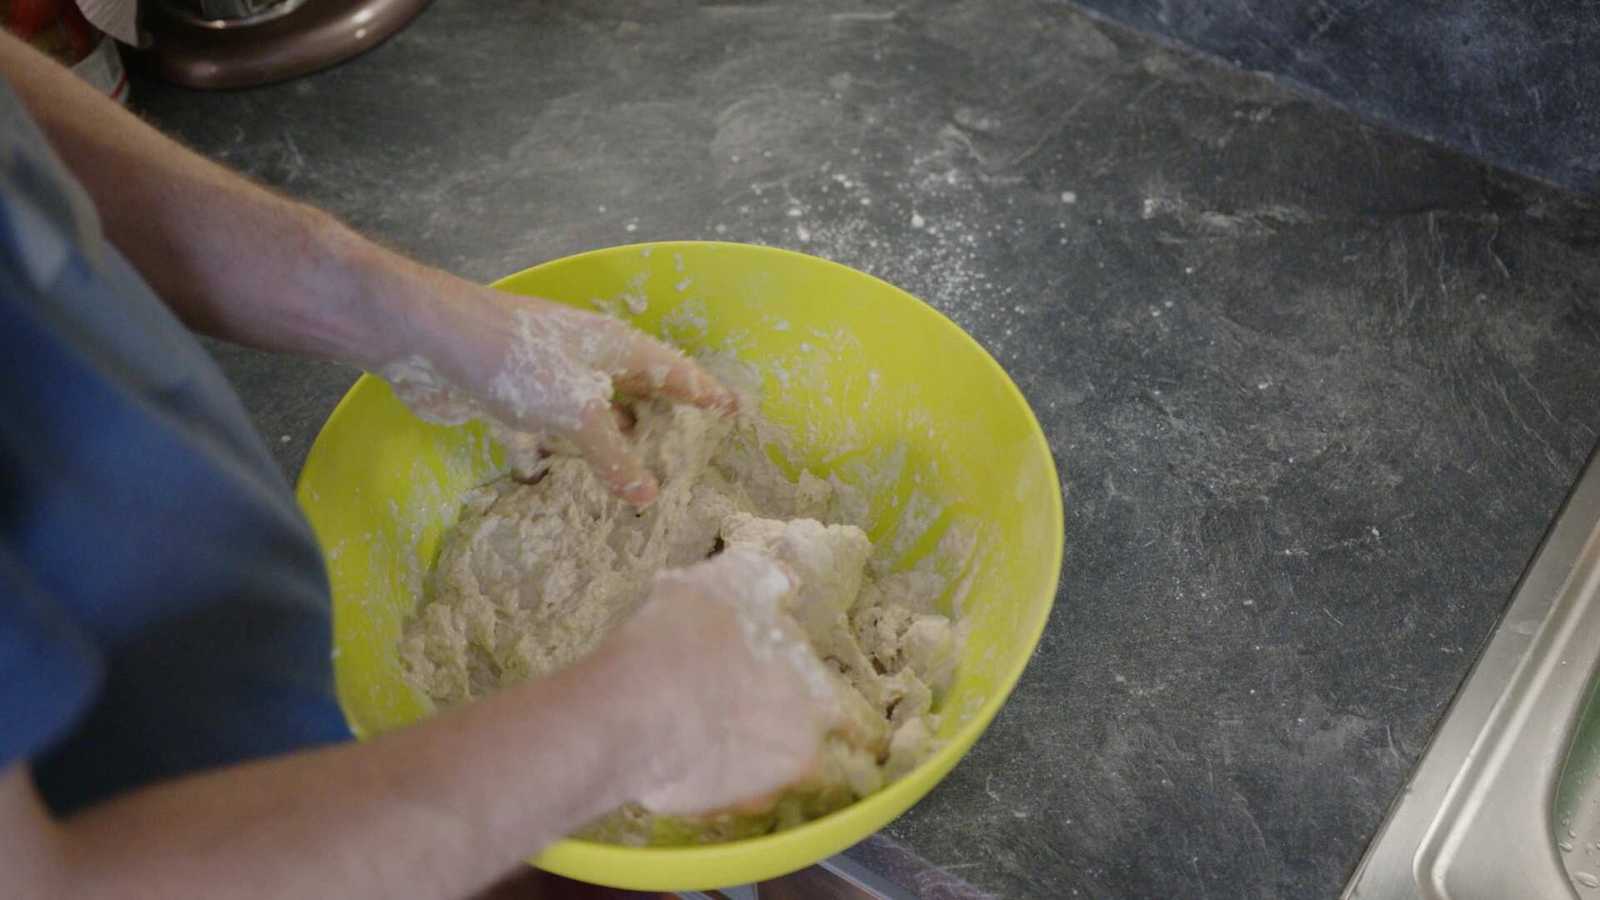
<point x="58" y="28"/>
<point x="25" y="18"/>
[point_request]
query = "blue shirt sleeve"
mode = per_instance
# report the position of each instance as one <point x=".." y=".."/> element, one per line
<point x="163" y="604"/>
<point x="50" y="669"/>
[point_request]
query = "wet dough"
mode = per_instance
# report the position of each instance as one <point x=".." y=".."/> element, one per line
<point x="533" y="576"/>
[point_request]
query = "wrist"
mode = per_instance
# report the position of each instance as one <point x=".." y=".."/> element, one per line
<point x="409" y="310"/>
<point x="645" y="722"/>
<point x="380" y="297"/>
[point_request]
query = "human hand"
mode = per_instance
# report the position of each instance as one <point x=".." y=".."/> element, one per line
<point x="539" y="367"/>
<point x="741" y="702"/>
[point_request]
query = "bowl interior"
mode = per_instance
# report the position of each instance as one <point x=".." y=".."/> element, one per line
<point x="865" y="378"/>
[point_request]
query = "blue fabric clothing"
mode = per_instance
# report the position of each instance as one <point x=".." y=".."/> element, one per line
<point x="163" y="605"/>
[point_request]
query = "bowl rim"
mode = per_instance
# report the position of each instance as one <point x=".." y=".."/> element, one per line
<point x="701" y="867"/>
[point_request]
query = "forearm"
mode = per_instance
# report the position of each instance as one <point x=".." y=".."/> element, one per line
<point x="433" y="811"/>
<point x="232" y="259"/>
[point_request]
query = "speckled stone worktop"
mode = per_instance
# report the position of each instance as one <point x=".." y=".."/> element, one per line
<point x="1315" y="390"/>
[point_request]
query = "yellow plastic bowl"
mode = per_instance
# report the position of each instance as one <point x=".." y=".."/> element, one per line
<point x="858" y="371"/>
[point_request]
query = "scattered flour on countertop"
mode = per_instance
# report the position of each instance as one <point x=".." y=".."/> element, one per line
<point x="534" y="575"/>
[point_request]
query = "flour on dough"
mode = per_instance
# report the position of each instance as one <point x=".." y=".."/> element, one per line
<point x="534" y="575"/>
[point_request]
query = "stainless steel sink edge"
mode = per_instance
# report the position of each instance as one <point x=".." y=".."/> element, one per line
<point x="1476" y="817"/>
<point x="1493" y="836"/>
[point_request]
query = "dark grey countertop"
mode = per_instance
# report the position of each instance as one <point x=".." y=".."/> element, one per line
<point x="1315" y="390"/>
<point x="1510" y="81"/>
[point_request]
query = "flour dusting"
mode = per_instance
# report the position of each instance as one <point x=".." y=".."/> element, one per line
<point x="534" y="575"/>
<point x="553" y="369"/>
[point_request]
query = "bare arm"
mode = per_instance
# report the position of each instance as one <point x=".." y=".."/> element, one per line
<point x="233" y="259"/>
<point x="229" y="257"/>
<point x="432" y="811"/>
<point x="242" y="263"/>
<point x="666" y="713"/>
